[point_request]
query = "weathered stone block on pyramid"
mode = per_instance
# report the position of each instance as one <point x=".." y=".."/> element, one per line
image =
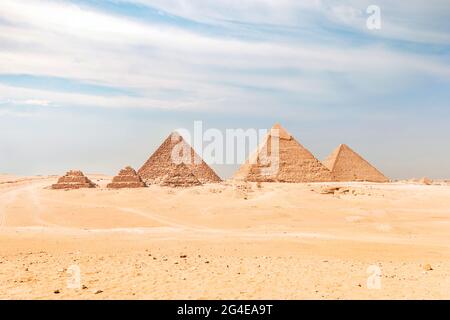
<point x="347" y="165"/>
<point x="280" y="158"/>
<point x="127" y="178"/>
<point x="180" y="176"/>
<point x="73" y="180"/>
<point x="165" y="162"/>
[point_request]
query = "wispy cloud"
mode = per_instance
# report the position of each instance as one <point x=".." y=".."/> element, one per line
<point x="29" y="102"/>
<point x="416" y="20"/>
<point x="84" y="56"/>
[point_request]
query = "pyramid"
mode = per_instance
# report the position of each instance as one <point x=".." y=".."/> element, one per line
<point x="347" y="165"/>
<point x="73" y="180"/>
<point x="161" y="163"/>
<point x="294" y="163"/>
<point x="180" y="176"/>
<point x="127" y="178"/>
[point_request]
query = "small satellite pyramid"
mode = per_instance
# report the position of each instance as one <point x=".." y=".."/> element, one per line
<point x="280" y="158"/>
<point x="127" y="178"/>
<point x="347" y="165"/>
<point x="73" y="179"/>
<point x="165" y="164"/>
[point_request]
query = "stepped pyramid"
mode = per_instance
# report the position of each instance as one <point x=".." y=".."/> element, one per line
<point x="73" y="180"/>
<point x="162" y="164"/>
<point x="127" y="178"/>
<point x="294" y="163"/>
<point x="347" y="165"/>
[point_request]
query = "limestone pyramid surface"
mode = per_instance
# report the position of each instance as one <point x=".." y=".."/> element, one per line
<point x="162" y="164"/>
<point x="127" y="178"/>
<point x="347" y="165"/>
<point x="294" y="163"/>
<point x="73" y="179"/>
<point x="180" y="176"/>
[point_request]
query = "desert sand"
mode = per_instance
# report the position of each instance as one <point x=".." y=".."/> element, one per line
<point x="227" y="240"/>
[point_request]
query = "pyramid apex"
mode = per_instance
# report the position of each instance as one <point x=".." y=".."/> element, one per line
<point x="278" y="130"/>
<point x="277" y="125"/>
<point x="175" y="137"/>
<point x="344" y="146"/>
<point x="174" y="134"/>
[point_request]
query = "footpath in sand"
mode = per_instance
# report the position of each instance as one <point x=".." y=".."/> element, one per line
<point x="224" y="241"/>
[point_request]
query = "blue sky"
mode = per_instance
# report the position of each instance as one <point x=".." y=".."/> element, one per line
<point x="97" y="85"/>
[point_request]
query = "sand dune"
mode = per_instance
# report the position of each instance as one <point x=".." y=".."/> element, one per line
<point x="225" y="241"/>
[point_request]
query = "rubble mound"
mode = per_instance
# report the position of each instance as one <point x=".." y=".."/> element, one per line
<point x="179" y="175"/>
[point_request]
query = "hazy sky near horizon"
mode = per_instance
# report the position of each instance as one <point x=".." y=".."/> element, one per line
<point x="97" y="85"/>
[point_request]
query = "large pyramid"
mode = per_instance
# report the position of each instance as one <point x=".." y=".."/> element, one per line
<point x="127" y="178"/>
<point x="347" y="165"/>
<point x="294" y="162"/>
<point x="166" y="159"/>
<point x="73" y="180"/>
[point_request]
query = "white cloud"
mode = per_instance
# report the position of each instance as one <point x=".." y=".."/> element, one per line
<point x="412" y="20"/>
<point x="36" y="102"/>
<point x="281" y="12"/>
<point x="63" y="40"/>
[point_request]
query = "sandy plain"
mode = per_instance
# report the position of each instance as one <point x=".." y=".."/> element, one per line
<point x="224" y="241"/>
